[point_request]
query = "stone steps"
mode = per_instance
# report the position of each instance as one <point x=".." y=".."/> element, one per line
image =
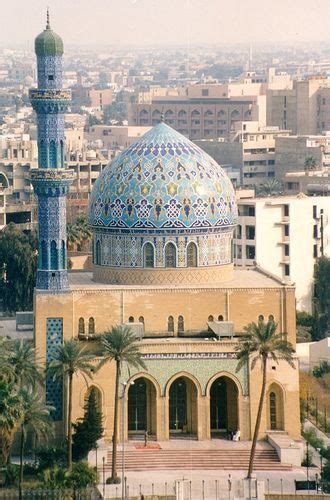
<point x="151" y="459"/>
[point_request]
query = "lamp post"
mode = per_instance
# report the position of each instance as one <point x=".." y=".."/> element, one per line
<point x="103" y="462"/>
<point x="123" y="482"/>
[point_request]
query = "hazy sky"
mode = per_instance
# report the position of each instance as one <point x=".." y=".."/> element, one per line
<point x="167" y="21"/>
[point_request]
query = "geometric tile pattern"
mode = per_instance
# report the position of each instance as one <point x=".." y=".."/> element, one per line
<point x="160" y="182"/>
<point x="54" y="390"/>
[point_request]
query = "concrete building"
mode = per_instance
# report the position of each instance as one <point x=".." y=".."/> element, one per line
<point x="284" y="236"/>
<point x="201" y="117"/>
<point x="251" y="149"/>
<point x="291" y="153"/>
<point x="302" y="108"/>
<point x="312" y="183"/>
<point x="114" y="136"/>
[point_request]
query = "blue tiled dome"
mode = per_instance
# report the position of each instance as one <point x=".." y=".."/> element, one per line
<point x="163" y="181"/>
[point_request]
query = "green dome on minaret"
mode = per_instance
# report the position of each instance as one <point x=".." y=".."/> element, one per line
<point x="48" y="43"/>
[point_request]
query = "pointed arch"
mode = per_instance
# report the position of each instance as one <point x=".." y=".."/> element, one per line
<point x="170" y="324"/>
<point x="52" y="154"/>
<point x="91" y="326"/>
<point x="148" y="255"/>
<point x="170" y="255"/>
<point x="192" y="254"/>
<point x="81" y="326"/>
<point x="98" y="253"/>
<point x="275" y="407"/>
<point x="53" y="255"/>
<point x="180" y="324"/>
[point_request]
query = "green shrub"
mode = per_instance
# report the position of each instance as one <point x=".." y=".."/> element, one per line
<point x="322" y="369"/>
<point x="11" y="475"/>
<point x="311" y="437"/>
<point x="82" y="475"/>
<point x="50" y="456"/>
<point x="307" y="461"/>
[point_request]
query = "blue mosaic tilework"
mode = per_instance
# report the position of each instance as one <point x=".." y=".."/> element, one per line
<point x="163" y="181"/>
<point x="54" y="391"/>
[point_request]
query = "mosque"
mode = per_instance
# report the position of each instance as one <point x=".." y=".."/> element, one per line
<point x="162" y="215"/>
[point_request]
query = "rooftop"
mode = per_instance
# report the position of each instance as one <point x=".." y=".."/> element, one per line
<point x="242" y="278"/>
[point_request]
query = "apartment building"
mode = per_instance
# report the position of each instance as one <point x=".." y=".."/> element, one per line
<point x="114" y="136"/>
<point x="312" y="183"/>
<point x="304" y="108"/>
<point x="284" y="236"/>
<point x="251" y="149"/>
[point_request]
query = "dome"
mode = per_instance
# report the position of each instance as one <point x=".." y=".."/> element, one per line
<point x="48" y="43"/>
<point x="163" y="181"/>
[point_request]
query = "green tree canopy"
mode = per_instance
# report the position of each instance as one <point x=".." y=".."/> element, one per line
<point x="18" y="267"/>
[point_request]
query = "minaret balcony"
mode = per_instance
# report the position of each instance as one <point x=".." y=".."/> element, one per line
<point x="50" y="101"/>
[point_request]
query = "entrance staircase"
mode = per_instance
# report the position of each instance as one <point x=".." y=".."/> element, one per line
<point x="198" y="459"/>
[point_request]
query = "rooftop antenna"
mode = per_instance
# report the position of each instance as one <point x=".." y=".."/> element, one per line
<point x="47" y="17"/>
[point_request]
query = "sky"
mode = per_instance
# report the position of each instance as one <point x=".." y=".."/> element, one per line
<point x="163" y="22"/>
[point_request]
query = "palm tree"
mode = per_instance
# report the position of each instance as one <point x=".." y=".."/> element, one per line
<point x="7" y="370"/>
<point x="70" y="359"/>
<point x="272" y="187"/>
<point x="310" y="163"/>
<point x="119" y="344"/>
<point x="11" y="411"/>
<point x="261" y="342"/>
<point x="22" y="357"/>
<point x="35" y="418"/>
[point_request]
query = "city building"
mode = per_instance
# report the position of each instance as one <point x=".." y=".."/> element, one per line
<point x="251" y="150"/>
<point x="284" y="235"/>
<point x="114" y="136"/>
<point x="162" y="215"/>
<point x="312" y="183"/>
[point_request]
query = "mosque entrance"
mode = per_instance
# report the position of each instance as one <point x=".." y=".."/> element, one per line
<point x="183" y="407"/>
<point x="141" y="408"/>
<point x="223" y="407"/>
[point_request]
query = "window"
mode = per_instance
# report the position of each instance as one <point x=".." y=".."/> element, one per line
<point x="260" y="318"/>
<point x="148" y="255"/>
<point x="81" y="326"/>
<point x="250" y="232"/>
<point x="63" y="255"/>
<point x="170" y="324"/>
<point x="98" y="253"/>
<point x="170" y="255"/>
<point x="210" y="319"/>
<point x="315" y="252"/>
<point x="180" y="324"/>
<point x="286" y="230"/>
<point x="250" y="251"/>
<point x="286" y="210"/>
<point x="251" y="211"/>
<point x="314" y="211"/>
<point x="205" y="92"/>
<point x="271" y="318"/>
<point x="286" y="250"/>
<point x="50" y="77"/>
<point x="220" y="317"/>
<point x="91" y="326"/>
<point x="131" y="319"/>
<point x="53" y="255"/>
<point x="315" y="231"/>
<point x="44" y="256"/>
<point x="141" y="320"/>
<point x="272" y="411"/>
<point x="191" y="255"/>
<point x="287" y="270"/>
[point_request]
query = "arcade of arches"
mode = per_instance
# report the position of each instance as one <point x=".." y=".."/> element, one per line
<point x="184" y="411"/>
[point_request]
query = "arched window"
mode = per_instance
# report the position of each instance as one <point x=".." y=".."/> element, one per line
<point x="220" y="317"/>
<point x="180" y="324"/>
<point x="141" y="320"/>
<point x="63" y="255"/>
<point x="52" y="155"/>
<point x="210" y="319"/>
<point x="191" y="255"/>
<point x="98" y="253"/>
<point x="44" y="256"/>
<point x="260" y="318"/>
<point x="170" y="255"/>
<point x="81" y="326"/>
<point x="91" y="326"/>
<point x="53" y="255"/>
<point x="271" y="318"/>
<point x="272" y="411"/>
<point x="131" y="319"/>
<point x="148" y="255"/>
<point x="170" y="324"/>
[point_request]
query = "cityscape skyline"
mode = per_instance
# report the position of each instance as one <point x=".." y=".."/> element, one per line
<point x="148" y="22"/>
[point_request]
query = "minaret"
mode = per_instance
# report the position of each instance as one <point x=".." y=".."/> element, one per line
<point x="51" y="180"/>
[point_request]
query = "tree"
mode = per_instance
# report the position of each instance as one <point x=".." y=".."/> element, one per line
<point x="260" y="343"/>
<point x="89" y="429"/>
<point x="322" y="295"/>
<point x="18" y="267"/>
<point x="119" y="345"/>
<point x="70" y="359"/>
<point x="22" y="358"/>
<point x="310" y="163"/>
<point x="11" y="412"/>
<point x="82" y="476"/>
<point x="35" y="418"/>
<point x="272" y="187"/>
<point x="7" y="370"/>
<point x="79" y="233"/>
